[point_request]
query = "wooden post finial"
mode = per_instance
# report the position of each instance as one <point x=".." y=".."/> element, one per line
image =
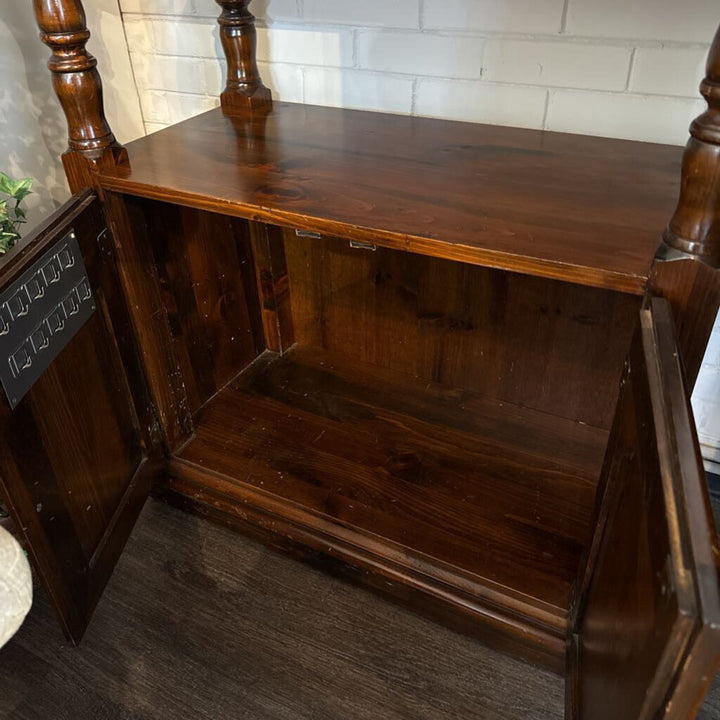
<point x="695" y="226"/>
<point x="79" y="88"/>
<point x="244" y="89"/>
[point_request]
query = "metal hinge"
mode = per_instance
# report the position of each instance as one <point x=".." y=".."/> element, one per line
<point x="360" y="245"/>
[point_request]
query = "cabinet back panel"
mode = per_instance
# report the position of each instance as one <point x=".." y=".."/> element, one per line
<point x="552" y="346"/>
<point x="205" y="266"/>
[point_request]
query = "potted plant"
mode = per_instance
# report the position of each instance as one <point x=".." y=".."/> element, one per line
<point x="12" y="215"/>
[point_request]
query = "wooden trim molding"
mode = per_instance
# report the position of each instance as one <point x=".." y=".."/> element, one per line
<point x="244" y="89"/>
<point x="77" y="83"/>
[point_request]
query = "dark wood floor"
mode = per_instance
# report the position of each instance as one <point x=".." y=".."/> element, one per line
<point x="200" y="623"/>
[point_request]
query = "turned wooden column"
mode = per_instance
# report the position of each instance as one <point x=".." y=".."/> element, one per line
<point x="244" y="88"/>
<point x="79" y="88"/>
<point x="685" y="270"/>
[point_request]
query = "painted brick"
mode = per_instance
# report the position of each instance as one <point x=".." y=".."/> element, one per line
<point x="357" y="89"/>
<point x="634" y="117"/>
<point x="306" y="46"/>
<point x="166" y="72"/>
<point x="420" y="54"/>
<point x="668" y="71"/>
<point x="139" y="34"/>
<point x="510" y="16"/>
<point x="562" y="64"/>
<point x="190" y="37"/>
<point x="481" y="102"/>
<point x="168" y="107"/>
<point x="151" y="127"/>
<point x="263" y="10"/>
<point x="689" y="21"/>
<point x="395" y="14"/>
<point x="286" y="81"/>
<point x="158" y="7"/>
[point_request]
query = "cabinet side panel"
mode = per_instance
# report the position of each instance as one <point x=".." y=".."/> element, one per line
<point x="544" y="344"/>
<point x="207" y="279"/>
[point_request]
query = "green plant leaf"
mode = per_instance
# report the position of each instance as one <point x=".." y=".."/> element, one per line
<point x="6" y="184"/>
<point x="21" y="188"/>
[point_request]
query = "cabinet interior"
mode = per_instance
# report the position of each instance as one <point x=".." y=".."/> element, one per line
<point x="458" y="413"/>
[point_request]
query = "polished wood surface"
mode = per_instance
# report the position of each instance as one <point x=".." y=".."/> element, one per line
<point x="419" y="481"/>
<point x="274" y="285"/>
<point x="692" y="288"/>
<point x="588" y="210"/>
<point x="131" y="249"/>
<point x="78" y="86"/>
<point x="206" y="276"/>
<point x="685" y="269"/>
<point x="72" y="453"/>
<point x="465" y="326"/>
<point x="695" y="226"/>
<point x="244" y="88"/>
<point x="646" y="638"/>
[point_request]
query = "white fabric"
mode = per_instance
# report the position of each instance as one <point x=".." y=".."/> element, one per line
<point x="15" y="586"/>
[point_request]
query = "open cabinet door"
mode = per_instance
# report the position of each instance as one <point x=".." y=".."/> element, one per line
<point x="645" y="636"/>
<point x="73" y="449"/>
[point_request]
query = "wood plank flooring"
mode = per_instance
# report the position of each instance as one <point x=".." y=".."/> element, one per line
<point x="199" y="623"/>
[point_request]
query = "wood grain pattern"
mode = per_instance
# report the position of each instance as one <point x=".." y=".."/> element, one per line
<point x="205" y="271"/>
<point x="645" y="630"/>
<point x="695" y="226"/>
<point x="131" y="247"/>
<point x="244" y="88"/>
<point x="72" y="456"/>
<point x="543" y="344"/>
<point x="273" y="285"/>
<point x="420" y="477"/>
<point x="77" y="84"/>
<point x="693" y="290"/>
<point x="588" y="210"/>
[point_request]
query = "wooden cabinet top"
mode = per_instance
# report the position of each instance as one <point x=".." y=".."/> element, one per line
<point x="584" y="209"/>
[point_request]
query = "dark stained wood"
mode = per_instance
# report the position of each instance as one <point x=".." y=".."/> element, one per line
<point x="72" y="453"/>
<point x="465" y="326"/>
<point x="693" y="290"/>
<point x="587" y="210"/>
<point x="210" y="626"/>
<point x="646" y="632"/>
<point x="685" y="269"/>
<point x="695" y="226"/>
<point x="130" y="246"/>
<point x="206" y="274"/>
<point x="416" y="481"/>
<point x="244" y="89"/>
<point x="79" y="88"/>
<point x="273" y="284"/>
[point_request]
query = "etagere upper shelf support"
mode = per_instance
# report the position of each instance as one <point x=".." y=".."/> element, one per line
<point x="78" y="86"/>
<point x="244" y="88"/>
<point x="695" y="226"/>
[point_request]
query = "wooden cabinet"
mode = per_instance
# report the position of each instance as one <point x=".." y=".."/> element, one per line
<point x="442" y="354"/>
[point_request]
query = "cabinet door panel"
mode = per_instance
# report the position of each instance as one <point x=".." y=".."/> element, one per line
<point x="645" y="642"/>
<point x="72" y="452"/>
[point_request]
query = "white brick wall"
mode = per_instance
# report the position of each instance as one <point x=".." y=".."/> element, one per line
<point x="624" y="68"/>
<point x="619" y="68"/>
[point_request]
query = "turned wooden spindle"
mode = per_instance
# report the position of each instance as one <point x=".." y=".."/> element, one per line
<point x="244" y="88"/>
<point x="685" y="270"/>
<point x="695" y="226"/>
<point x="79" y="88"/>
